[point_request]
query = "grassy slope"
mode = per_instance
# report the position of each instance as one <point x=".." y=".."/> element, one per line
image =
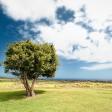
<point x="55" y="97"/>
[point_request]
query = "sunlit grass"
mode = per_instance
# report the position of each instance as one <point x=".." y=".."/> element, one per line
<point x="56" y="96"/>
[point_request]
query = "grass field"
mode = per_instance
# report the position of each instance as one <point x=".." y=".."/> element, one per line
<point x="56" y="96"/>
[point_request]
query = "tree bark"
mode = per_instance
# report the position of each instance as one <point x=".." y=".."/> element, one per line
<point x="29" y="89"/>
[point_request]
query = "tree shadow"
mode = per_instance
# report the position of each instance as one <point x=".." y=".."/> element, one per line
<point x="16" y="95"/>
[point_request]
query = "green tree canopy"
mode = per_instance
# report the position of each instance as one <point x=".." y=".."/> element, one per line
<point x="29" y="60"/>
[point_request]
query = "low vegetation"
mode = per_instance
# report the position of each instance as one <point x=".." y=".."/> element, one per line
<point x="56" y="96"/>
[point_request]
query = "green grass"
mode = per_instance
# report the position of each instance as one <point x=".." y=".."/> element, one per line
<point x="55" y="97"/>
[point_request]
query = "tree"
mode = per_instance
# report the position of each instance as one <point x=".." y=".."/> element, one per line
<point x="29" y="61"/>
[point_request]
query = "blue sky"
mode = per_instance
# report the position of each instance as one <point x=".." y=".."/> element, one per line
<point x="80" y="30"/>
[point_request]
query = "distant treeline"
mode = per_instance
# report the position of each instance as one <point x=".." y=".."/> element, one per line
<point x="2" y="79"/>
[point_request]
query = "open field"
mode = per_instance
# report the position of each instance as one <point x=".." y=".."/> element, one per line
<point x="56" y="96"/>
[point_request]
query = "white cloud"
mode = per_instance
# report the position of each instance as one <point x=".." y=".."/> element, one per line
<point x="97" y="10"/>
<point x="29" y="9"/>
<point x="98" y="67"/>
<point x="66" y="37"/>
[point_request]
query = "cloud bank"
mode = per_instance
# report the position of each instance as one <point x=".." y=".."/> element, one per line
<point x="85" y="35"/>
<point x="29" y="9"/>
<point x="98" y="67"/>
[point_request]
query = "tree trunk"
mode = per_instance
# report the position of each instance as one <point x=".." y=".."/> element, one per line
<point x="29" y="89"/>
<point x="30" y="93"/>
